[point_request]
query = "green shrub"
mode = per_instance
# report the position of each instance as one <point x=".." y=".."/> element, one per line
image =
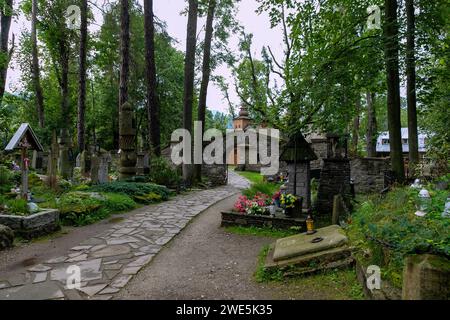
<point x="133" y="189"/>
<point x="78" y="203"/>
<point x="148" y="198"/>
<point x="83" y="208"/>
<point x="116" y="202"/>
<point x="266" y="188"/>
<point x="34" y="181"/>
<point x="163" y="174"/>
<point x="17" y="207"/>
<point x="5" y="179"/>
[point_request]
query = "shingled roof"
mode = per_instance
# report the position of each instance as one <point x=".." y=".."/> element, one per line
<point x="24" y="131"/>
<point x="304" y="150"/>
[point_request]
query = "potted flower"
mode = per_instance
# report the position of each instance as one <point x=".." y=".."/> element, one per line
<point x="255" y="209"/>
<point x="288" y="202"/>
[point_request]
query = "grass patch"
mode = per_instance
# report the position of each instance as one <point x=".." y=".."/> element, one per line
<point x="253" y="177"/>
<point x="262" y="232"/>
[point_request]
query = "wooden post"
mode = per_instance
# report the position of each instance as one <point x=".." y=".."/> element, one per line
<point x="24" y="167"/>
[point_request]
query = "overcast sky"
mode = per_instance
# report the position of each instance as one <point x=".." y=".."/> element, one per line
<point x="169" y="11"/>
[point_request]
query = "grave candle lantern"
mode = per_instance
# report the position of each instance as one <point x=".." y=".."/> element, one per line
<point x="423" y="203"/>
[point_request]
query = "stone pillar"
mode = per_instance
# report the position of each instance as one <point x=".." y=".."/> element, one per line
<point x="127" y="132"/>
<point x="334" y="180"/>
<point x="426" y="277"/>
<point x="64" y="163"/>
<point x="303" y="181"/>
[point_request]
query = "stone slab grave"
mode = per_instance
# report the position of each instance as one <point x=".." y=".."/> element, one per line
<point x="308" y="256"/>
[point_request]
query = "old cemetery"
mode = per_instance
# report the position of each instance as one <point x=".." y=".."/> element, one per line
<point x="345" y="219"/>
<point x="220" y="149"/>
<point x="44" y="189"/>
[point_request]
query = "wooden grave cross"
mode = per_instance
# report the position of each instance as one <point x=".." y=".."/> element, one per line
<point x="24" y="139"/>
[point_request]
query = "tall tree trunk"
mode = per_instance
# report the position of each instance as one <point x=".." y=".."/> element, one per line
<point x="393" y="92"/>
<point x="124" y="52"/>
<point x="64" y="61"/>
<point x="35" y="70"/>
<point x="82" y="78"/>
<point x="413" y="138"/>
<point x="5" y="26"/>
<point x="206" y="73"/>
<point x="356" y="125"/>
<point x="371" y="135"/>
<point x="189" y="69"/>
<point x="152" y="102"/>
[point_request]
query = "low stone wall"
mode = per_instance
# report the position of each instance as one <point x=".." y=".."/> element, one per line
<point x="368" y="174"/>
<point x="230" y="219"/>
<point x="33" y="226"/>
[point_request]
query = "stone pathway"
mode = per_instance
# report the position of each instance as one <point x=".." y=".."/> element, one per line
<point x="108" y="261"/>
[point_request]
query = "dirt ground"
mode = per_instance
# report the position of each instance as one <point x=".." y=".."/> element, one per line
<point x="202" y="262"/>
<point x="206" y="262"/>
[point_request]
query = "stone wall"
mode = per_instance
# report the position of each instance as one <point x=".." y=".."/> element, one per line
<point x="334" y="180"/>
<point x="320" y="148"/>
<point x="230" y="219"/>
<point x="368" y="174"/>
<point x="33" y="226"/>
<point x="303" y="187"/>
<point x="217" y="174"/>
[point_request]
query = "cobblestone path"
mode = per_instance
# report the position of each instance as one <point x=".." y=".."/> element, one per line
<point x="108" y="261"/>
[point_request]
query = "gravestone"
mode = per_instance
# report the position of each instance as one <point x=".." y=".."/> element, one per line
<point x="85" y="163"/>
<point x="127" y="135"/>
<point x="143" y="163"/>
<point x="64" y="161"/>
<point x="306" y="254"/>
<point x="37" y="162"/>
<point x="426" y="277"/>
<point x="298" y="154"/>
<point x="103" y="167"/>
<point x="95" y="166"/>
<point x="53" y="162"/>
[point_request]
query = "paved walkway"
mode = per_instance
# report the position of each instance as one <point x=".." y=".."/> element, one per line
<point x="108" y="261"/>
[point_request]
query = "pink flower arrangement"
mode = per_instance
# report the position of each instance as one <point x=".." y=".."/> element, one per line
<point x="244" y="205"/>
